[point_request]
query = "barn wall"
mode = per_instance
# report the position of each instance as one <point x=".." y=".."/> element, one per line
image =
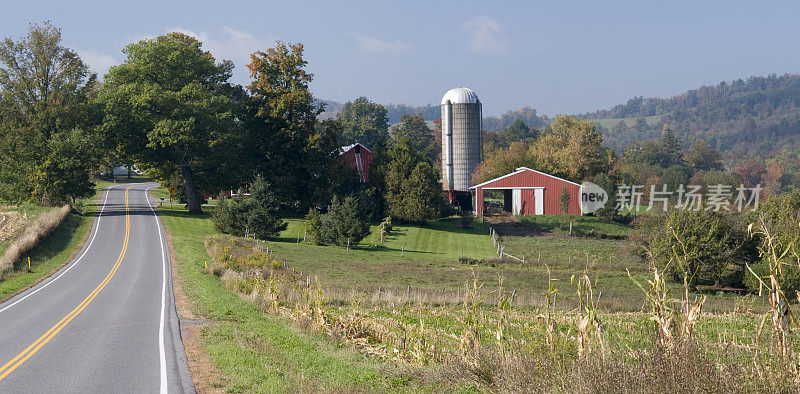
<point x="552" y="191"/>
<point x="366" y="160"/>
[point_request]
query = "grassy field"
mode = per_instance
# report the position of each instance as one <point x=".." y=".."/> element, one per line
<point x="257" y="352"/>
<point x="413" y="310"/>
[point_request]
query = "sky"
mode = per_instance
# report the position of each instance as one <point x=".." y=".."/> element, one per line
<point x="561" y="57"/>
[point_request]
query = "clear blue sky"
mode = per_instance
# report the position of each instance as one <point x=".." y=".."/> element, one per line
<point x="557" y="57"/>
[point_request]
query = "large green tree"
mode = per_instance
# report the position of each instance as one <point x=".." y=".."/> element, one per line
<point x="363" y="121"/>
<point x="167" y="108"/>
<point x="45" y="91"/>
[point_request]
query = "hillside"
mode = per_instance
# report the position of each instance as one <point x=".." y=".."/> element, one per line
<point x="757" y="115"/>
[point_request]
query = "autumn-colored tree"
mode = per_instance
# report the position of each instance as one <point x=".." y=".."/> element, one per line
<point x="287" y="145"/>
<point x="572" y="148"/>
<point x="503" y="161"/>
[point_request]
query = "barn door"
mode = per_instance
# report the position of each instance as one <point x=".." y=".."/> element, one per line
<point x="538" y="199"/>
<point x="516" y="198"/>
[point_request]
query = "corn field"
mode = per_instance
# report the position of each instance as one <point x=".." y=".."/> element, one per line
<point x="484" y="340"/>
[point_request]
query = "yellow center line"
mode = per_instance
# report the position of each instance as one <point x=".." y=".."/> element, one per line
<point x="35" y="346"/>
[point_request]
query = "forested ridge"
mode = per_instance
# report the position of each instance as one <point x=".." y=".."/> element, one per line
<point x="753" y="115"/>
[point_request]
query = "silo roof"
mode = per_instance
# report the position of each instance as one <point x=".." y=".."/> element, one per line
<point x="460" y="95"/>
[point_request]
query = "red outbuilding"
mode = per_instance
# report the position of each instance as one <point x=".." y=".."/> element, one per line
<point x="359" y="157"/>
<point x="528" y="192"/>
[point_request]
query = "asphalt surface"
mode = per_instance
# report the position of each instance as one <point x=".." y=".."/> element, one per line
<point x="106" y="322"/>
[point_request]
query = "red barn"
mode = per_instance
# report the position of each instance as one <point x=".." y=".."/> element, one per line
<point x="359" y="157"/>
<point x="530" y="192"/>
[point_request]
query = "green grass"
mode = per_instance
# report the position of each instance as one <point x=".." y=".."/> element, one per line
<point x="55" y="251"/>
<point x="259" y="352"/>
<point x="560" y="224"/>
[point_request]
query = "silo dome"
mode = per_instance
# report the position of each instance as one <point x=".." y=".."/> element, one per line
<point x="460" y="95"/>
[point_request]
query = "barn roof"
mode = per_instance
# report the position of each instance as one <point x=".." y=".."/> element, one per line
<point x="344" y="149"/>
<point x="521" y="170"/>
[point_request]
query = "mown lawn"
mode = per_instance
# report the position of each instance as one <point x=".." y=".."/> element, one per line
<point x="259" y="352"/>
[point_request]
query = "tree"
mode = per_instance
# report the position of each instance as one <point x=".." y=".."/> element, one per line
<point x="504" y="161"/>
<point x="63" y="175"/>
<point x="166" y="107"/>
<point x="413" y="193"/>
<point x="286" y="143"/>
<point x="417" y="131"/>
<point x="345" y="222"/>
<point x="45" y="109"/>
<point x="313" y="227"/>
<point x="702" y="157"/>
<point x="518" y="131"/>
<point x="257" y="215"/>
<point x="716" y="244"/>
<point x="563" y="200"/>
<point x="363" y="121"/>
<point x="571" y="148"/>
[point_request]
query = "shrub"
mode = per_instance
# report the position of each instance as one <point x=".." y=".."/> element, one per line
<point x="345" y="223"/>
<point x="717" y="245"/>
<point x="313" y="227"/>
<point x="789" y="282"/>
<point x="257" y="215"/>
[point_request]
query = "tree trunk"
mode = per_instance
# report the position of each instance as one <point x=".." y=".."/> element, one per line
<point x="191" y="190"/>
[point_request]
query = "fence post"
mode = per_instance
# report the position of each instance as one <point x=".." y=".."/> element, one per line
<point x="403" y="250"/>
<point x="570" y="228"/>
<point x="348" y="244"/>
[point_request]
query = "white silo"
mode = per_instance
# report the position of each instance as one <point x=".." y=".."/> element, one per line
<point x="461" y="140"/>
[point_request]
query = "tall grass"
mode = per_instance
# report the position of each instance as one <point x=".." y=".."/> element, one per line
<point x="490" y="343"/>
<point x="37" y="231"/>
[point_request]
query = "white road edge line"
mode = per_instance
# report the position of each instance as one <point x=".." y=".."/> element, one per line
<point x="96" y="230"/>
<point x="162" y="355"/>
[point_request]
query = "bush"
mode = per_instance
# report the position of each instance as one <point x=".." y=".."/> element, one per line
<point x="717" y="245"/>
<point x="345" y="223"/>
<point x="256" y="215"/>
<point x="790" y="282"/>
<point x="313" y="227"/>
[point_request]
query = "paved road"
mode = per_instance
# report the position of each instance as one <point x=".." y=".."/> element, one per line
<point x="106" y="322"/>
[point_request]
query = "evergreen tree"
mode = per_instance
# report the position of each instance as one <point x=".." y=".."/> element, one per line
<point x="345" y="222"/>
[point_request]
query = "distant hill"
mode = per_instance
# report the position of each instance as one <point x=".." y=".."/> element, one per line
<point x="431" y="112"/>
<point x="756" y="115"/>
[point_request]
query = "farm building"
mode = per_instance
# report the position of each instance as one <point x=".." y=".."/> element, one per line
<point x="528" y="192"/>
<point x="359" y="157"/>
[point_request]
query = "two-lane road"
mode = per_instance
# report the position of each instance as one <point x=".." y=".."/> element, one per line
<point x="106" y="322"/>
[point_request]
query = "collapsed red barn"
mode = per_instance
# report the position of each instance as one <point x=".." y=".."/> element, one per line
<point x="359" y="157"/>
<point x="530" y="192"/>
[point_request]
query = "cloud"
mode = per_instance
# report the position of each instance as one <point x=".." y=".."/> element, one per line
<point x="97" y="62"/>
<point x="371" y="44"/>
<point x="230" y="44"/>
<point x="486" y="35"/>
